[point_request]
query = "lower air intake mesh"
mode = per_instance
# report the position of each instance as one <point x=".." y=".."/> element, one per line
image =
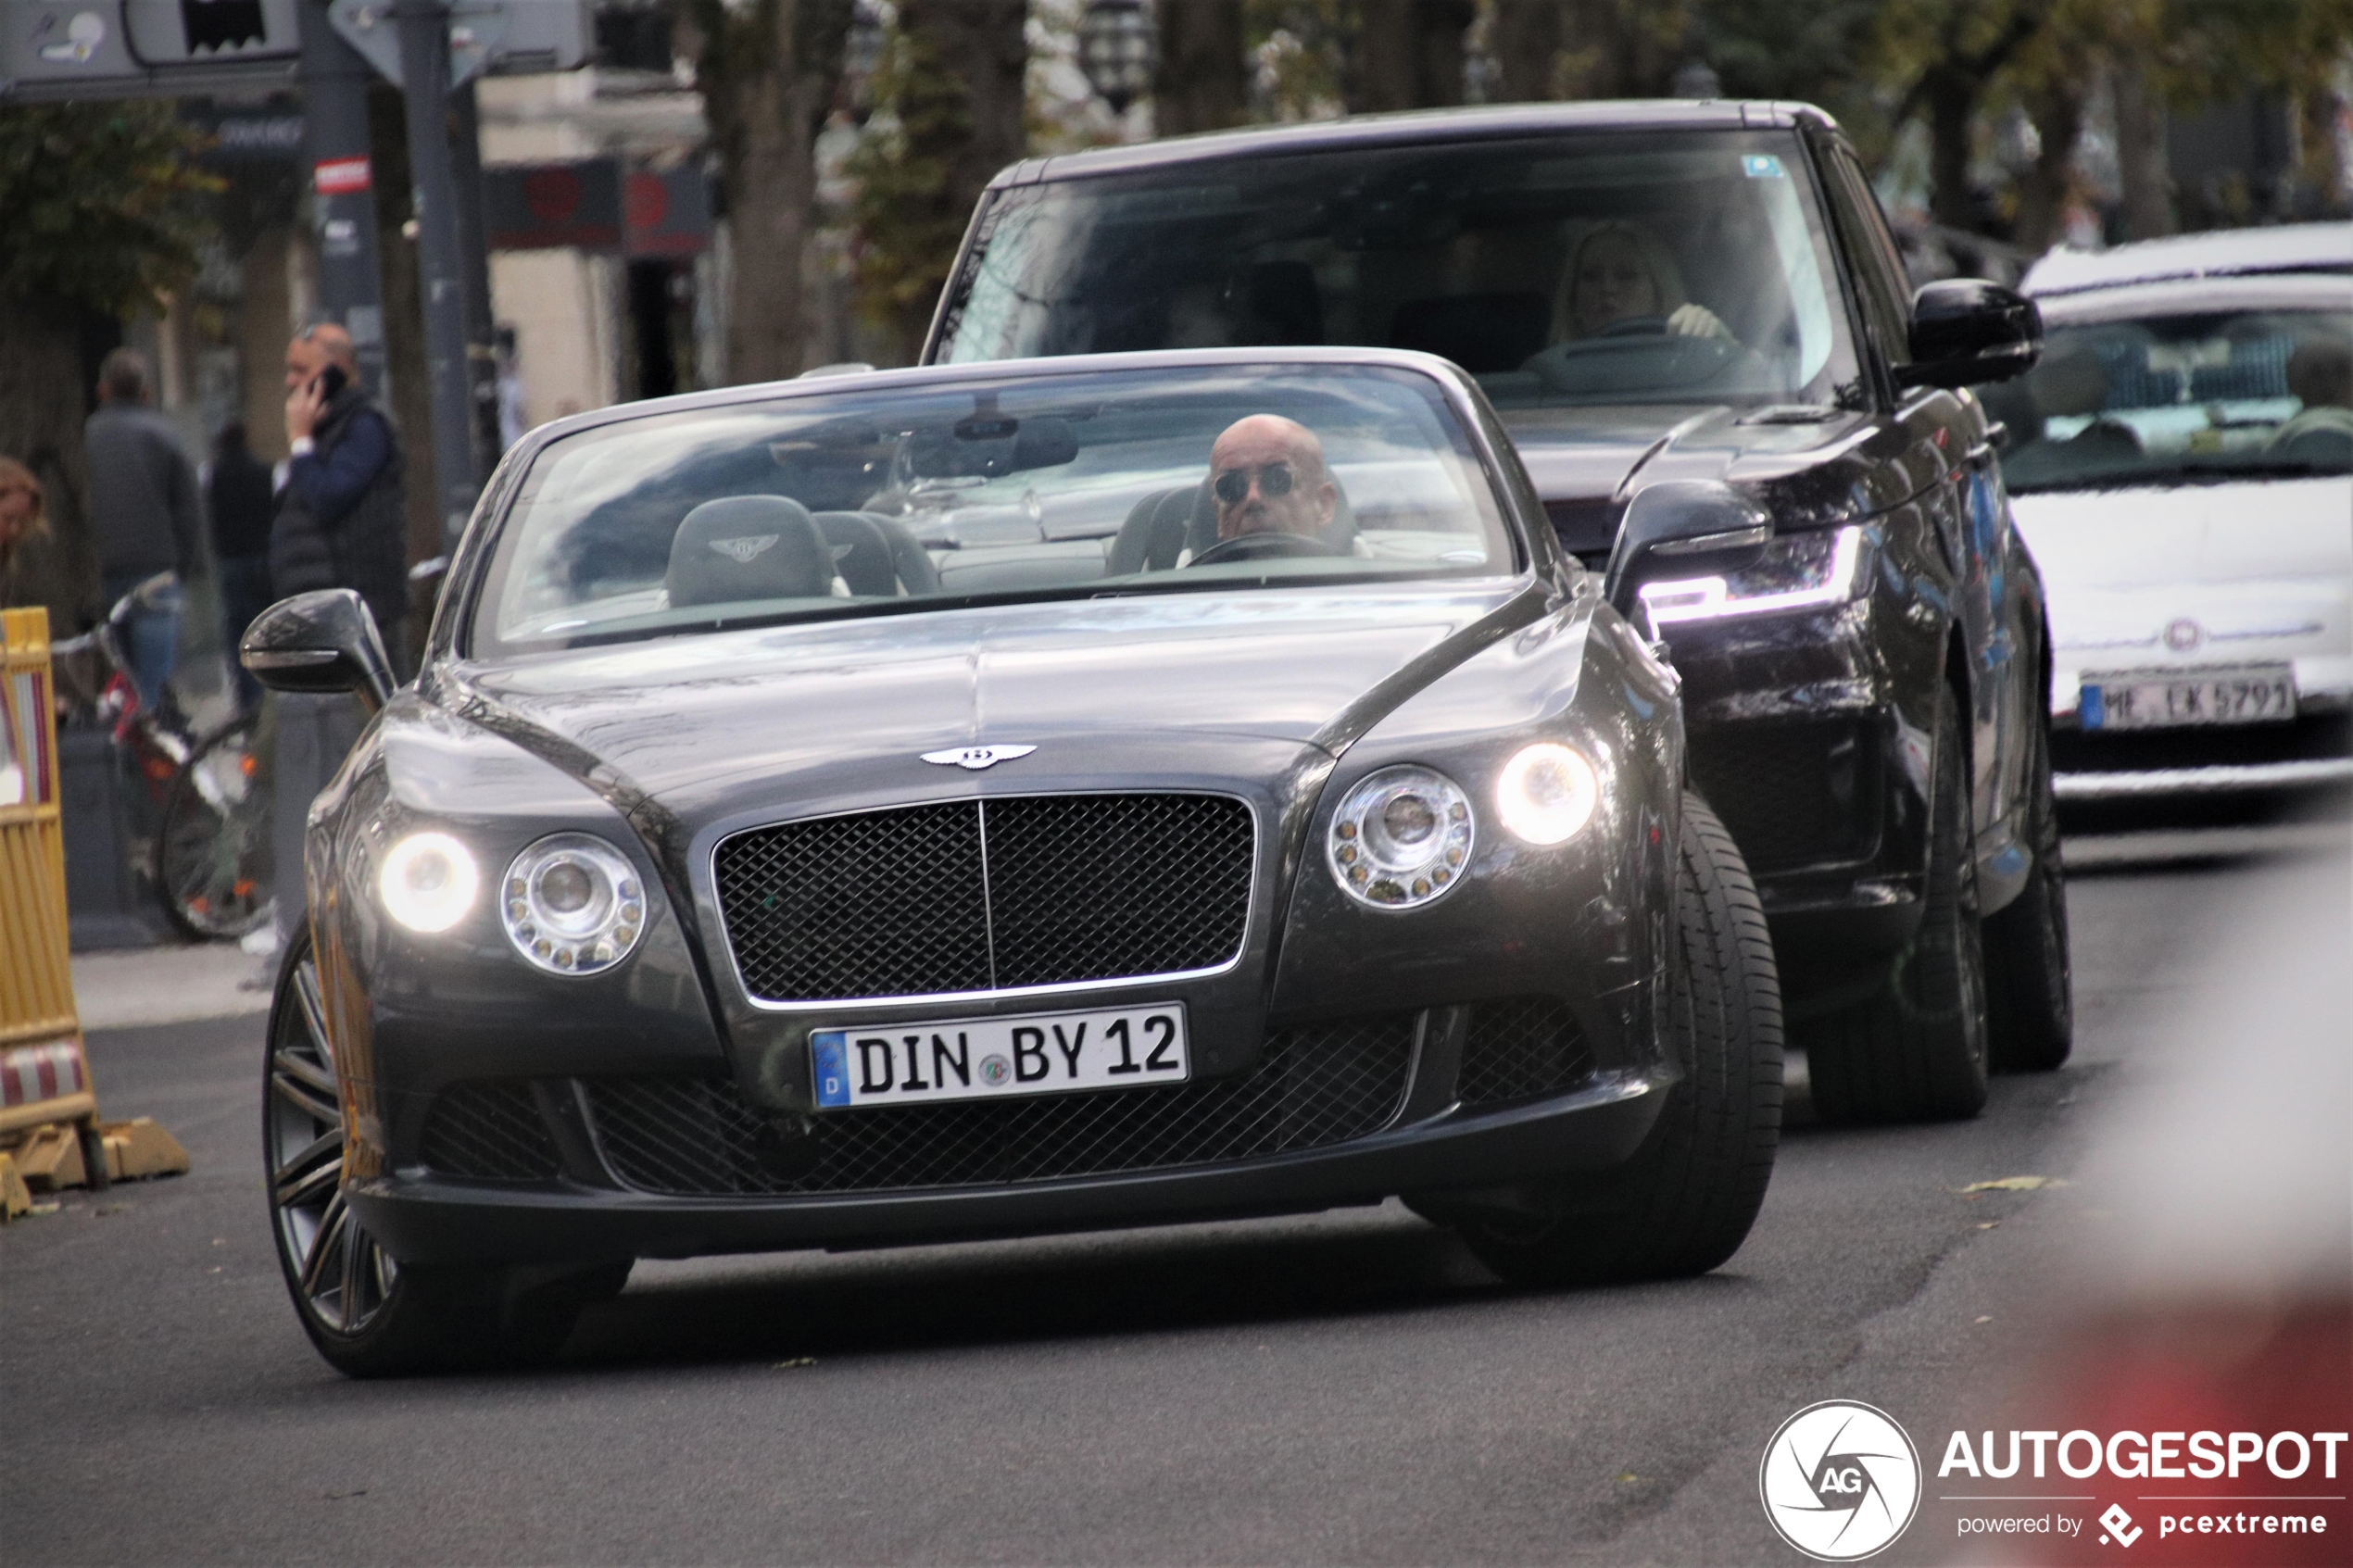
<point x="1314" y="1087"/>
<point x="489" y="1130"/>
<point x="1521" y="1048"/>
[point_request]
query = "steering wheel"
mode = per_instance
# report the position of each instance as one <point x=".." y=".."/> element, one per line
<point x="1269" y="545"/>
<point x="1635" y="326"/>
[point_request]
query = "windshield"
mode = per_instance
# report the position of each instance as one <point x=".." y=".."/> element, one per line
<point x="2164" y="399"/>
<point x="1659" y="267"/>
<point x="903" y="498"/>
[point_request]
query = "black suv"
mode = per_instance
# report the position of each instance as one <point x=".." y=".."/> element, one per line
<point x="1694" y="323"/>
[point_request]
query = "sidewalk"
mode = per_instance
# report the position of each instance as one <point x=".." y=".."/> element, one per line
<point x="164" y="986"/>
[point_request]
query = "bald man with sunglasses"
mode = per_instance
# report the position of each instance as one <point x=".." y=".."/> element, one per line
<point x="1266" y="475"/>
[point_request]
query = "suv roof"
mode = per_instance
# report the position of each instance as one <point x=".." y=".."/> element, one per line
<point x="2296" y="247"/>
<point x="1419" y="125"/>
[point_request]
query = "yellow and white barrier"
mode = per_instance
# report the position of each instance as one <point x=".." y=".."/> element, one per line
<point x="50" y="1135"/>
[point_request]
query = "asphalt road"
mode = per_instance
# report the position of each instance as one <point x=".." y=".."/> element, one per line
<point x="1350" y="1388"/>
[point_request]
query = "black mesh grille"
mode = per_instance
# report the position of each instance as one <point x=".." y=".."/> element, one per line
<point x="489" y="1130"/>
<point x="1314" y="1087"/>
<point x="1792" y="795"/>
<point x="1077" y="887"/>
<point x="1518" y="1048"/>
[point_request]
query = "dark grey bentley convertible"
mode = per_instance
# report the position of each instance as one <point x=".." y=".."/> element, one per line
<point x="1007" y="799"/>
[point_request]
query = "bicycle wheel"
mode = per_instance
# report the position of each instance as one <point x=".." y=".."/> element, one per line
<point x="212" y="846"/>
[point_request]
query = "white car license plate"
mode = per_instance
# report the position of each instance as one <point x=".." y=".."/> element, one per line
<point x="997" y="1058"/>
<point x="2257" y="694"/>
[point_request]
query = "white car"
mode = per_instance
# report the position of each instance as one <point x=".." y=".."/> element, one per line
<point x="2181" y="463"/>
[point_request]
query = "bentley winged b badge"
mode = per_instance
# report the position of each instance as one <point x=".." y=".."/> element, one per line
<point x="977" y="756"/>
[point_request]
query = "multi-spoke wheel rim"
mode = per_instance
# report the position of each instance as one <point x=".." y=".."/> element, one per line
<point x="339" y="1271"/>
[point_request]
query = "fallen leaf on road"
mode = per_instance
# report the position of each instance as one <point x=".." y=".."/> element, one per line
<point x="44" y="1208"/>
<point x="2016" y="1183"/>
<point x="1988" y="1225"/>
<point x="795" y="1361"/>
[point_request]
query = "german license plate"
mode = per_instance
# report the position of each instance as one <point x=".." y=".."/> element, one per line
<point x="2257" y="694"/>
<point x="995" y="1057"/>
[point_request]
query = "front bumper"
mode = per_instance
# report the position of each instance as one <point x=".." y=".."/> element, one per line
<point x="2313" y="751"/>
<point x="1451" y="1113"/>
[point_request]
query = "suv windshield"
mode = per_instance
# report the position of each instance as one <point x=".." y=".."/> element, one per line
<point x="1654" y="267"/>
<point x="885" y="498"/>
<point x="2164" y="399"/>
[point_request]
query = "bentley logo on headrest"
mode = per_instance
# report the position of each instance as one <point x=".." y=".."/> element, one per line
<point x="977" y="756"/>
<point x="741" y="550"/>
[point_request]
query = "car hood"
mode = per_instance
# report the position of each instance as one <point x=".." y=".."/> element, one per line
<point x="2189" y="535"/>
<point x="1198" y="685"/>
<point x="1808" y="468"/>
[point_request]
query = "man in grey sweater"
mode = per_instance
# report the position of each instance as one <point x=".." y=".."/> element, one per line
<point x="145" y="512"/>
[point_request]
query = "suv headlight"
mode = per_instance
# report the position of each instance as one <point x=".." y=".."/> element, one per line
<point x="1401" y="837"/>
<point x="1796" y="571"/>
<point x="572" y="904"/>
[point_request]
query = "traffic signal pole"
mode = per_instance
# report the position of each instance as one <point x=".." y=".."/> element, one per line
<point x="334" y="93"/>
<point x="441" y="283"/>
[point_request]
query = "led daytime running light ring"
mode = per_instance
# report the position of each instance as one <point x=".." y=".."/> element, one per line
<point x="1401" y="838"/>
<point x="572" y="904"/>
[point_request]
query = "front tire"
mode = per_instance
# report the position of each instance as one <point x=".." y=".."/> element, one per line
<point x="1915" y="1049"/>
<point x="2029" y="982"/>
<point x="367" y="1314"/>
<point x="1684" y="1203"/>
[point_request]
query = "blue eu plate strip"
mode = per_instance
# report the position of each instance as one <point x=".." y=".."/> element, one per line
<point x="2091" y="710"/>
<point x="830" y="1046"/>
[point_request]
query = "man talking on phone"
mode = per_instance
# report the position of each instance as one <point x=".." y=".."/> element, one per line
<point x="341" y="522"/>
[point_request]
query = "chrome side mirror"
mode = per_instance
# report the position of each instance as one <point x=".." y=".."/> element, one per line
<point x="324" y="641"/>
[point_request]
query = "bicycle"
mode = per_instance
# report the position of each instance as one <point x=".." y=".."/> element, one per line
<point x="206" y="798"/>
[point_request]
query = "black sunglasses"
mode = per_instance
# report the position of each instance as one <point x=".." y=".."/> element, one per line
<point x="1233" y="486"/>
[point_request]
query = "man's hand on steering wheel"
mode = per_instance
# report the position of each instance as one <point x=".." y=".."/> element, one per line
<point x="1265" y="544"/>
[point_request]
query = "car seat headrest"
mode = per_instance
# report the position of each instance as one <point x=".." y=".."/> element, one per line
<point x="748" y="547"/>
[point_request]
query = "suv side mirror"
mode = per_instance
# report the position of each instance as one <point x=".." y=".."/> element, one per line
<point x="1683" y="528"/>
<point x="1966" y="332"/>
<point x="324" y="641"/>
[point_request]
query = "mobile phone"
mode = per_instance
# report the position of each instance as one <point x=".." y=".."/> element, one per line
<point x="330" y="380"/>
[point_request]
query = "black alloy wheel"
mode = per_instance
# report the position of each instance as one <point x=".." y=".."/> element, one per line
<point x="1685" y="1202"/>
<point x="2029" y="989"/>
<point x="1916" y="1048"/>
<point x="368" y="1314"/>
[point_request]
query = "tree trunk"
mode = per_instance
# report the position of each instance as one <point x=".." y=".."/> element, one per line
<point x="1408" y="54"/>
<point x="2140" y="155"/>
<point x="1952" y="97"/>
<point x="961" y="111"/>
<point x="2057" y="113"/>
<point x="1203" y="80"/>
<point x="1528" y="43"/>
<point x="41" y="415"/>
<point x="769" y="70"/>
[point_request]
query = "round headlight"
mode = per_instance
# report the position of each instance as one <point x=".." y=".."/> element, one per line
<point x="1401" y="837"/>
<point x="428" y="882"/>
<point x="572" y="904"/>
<point x="1547" y="793"/>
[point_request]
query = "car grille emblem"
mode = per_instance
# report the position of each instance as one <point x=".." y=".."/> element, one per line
<point x="741" y="550"/>
<point x="2183" y="634"/>
<point x="977" y="756"/>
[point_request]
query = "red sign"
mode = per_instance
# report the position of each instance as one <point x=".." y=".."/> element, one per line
<point x="339" y="176"/>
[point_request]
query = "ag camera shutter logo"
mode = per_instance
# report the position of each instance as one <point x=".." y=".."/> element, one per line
<point x="1839" y="1481"/>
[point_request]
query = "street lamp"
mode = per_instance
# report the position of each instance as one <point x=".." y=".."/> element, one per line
<point x="1118" y="49"/>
